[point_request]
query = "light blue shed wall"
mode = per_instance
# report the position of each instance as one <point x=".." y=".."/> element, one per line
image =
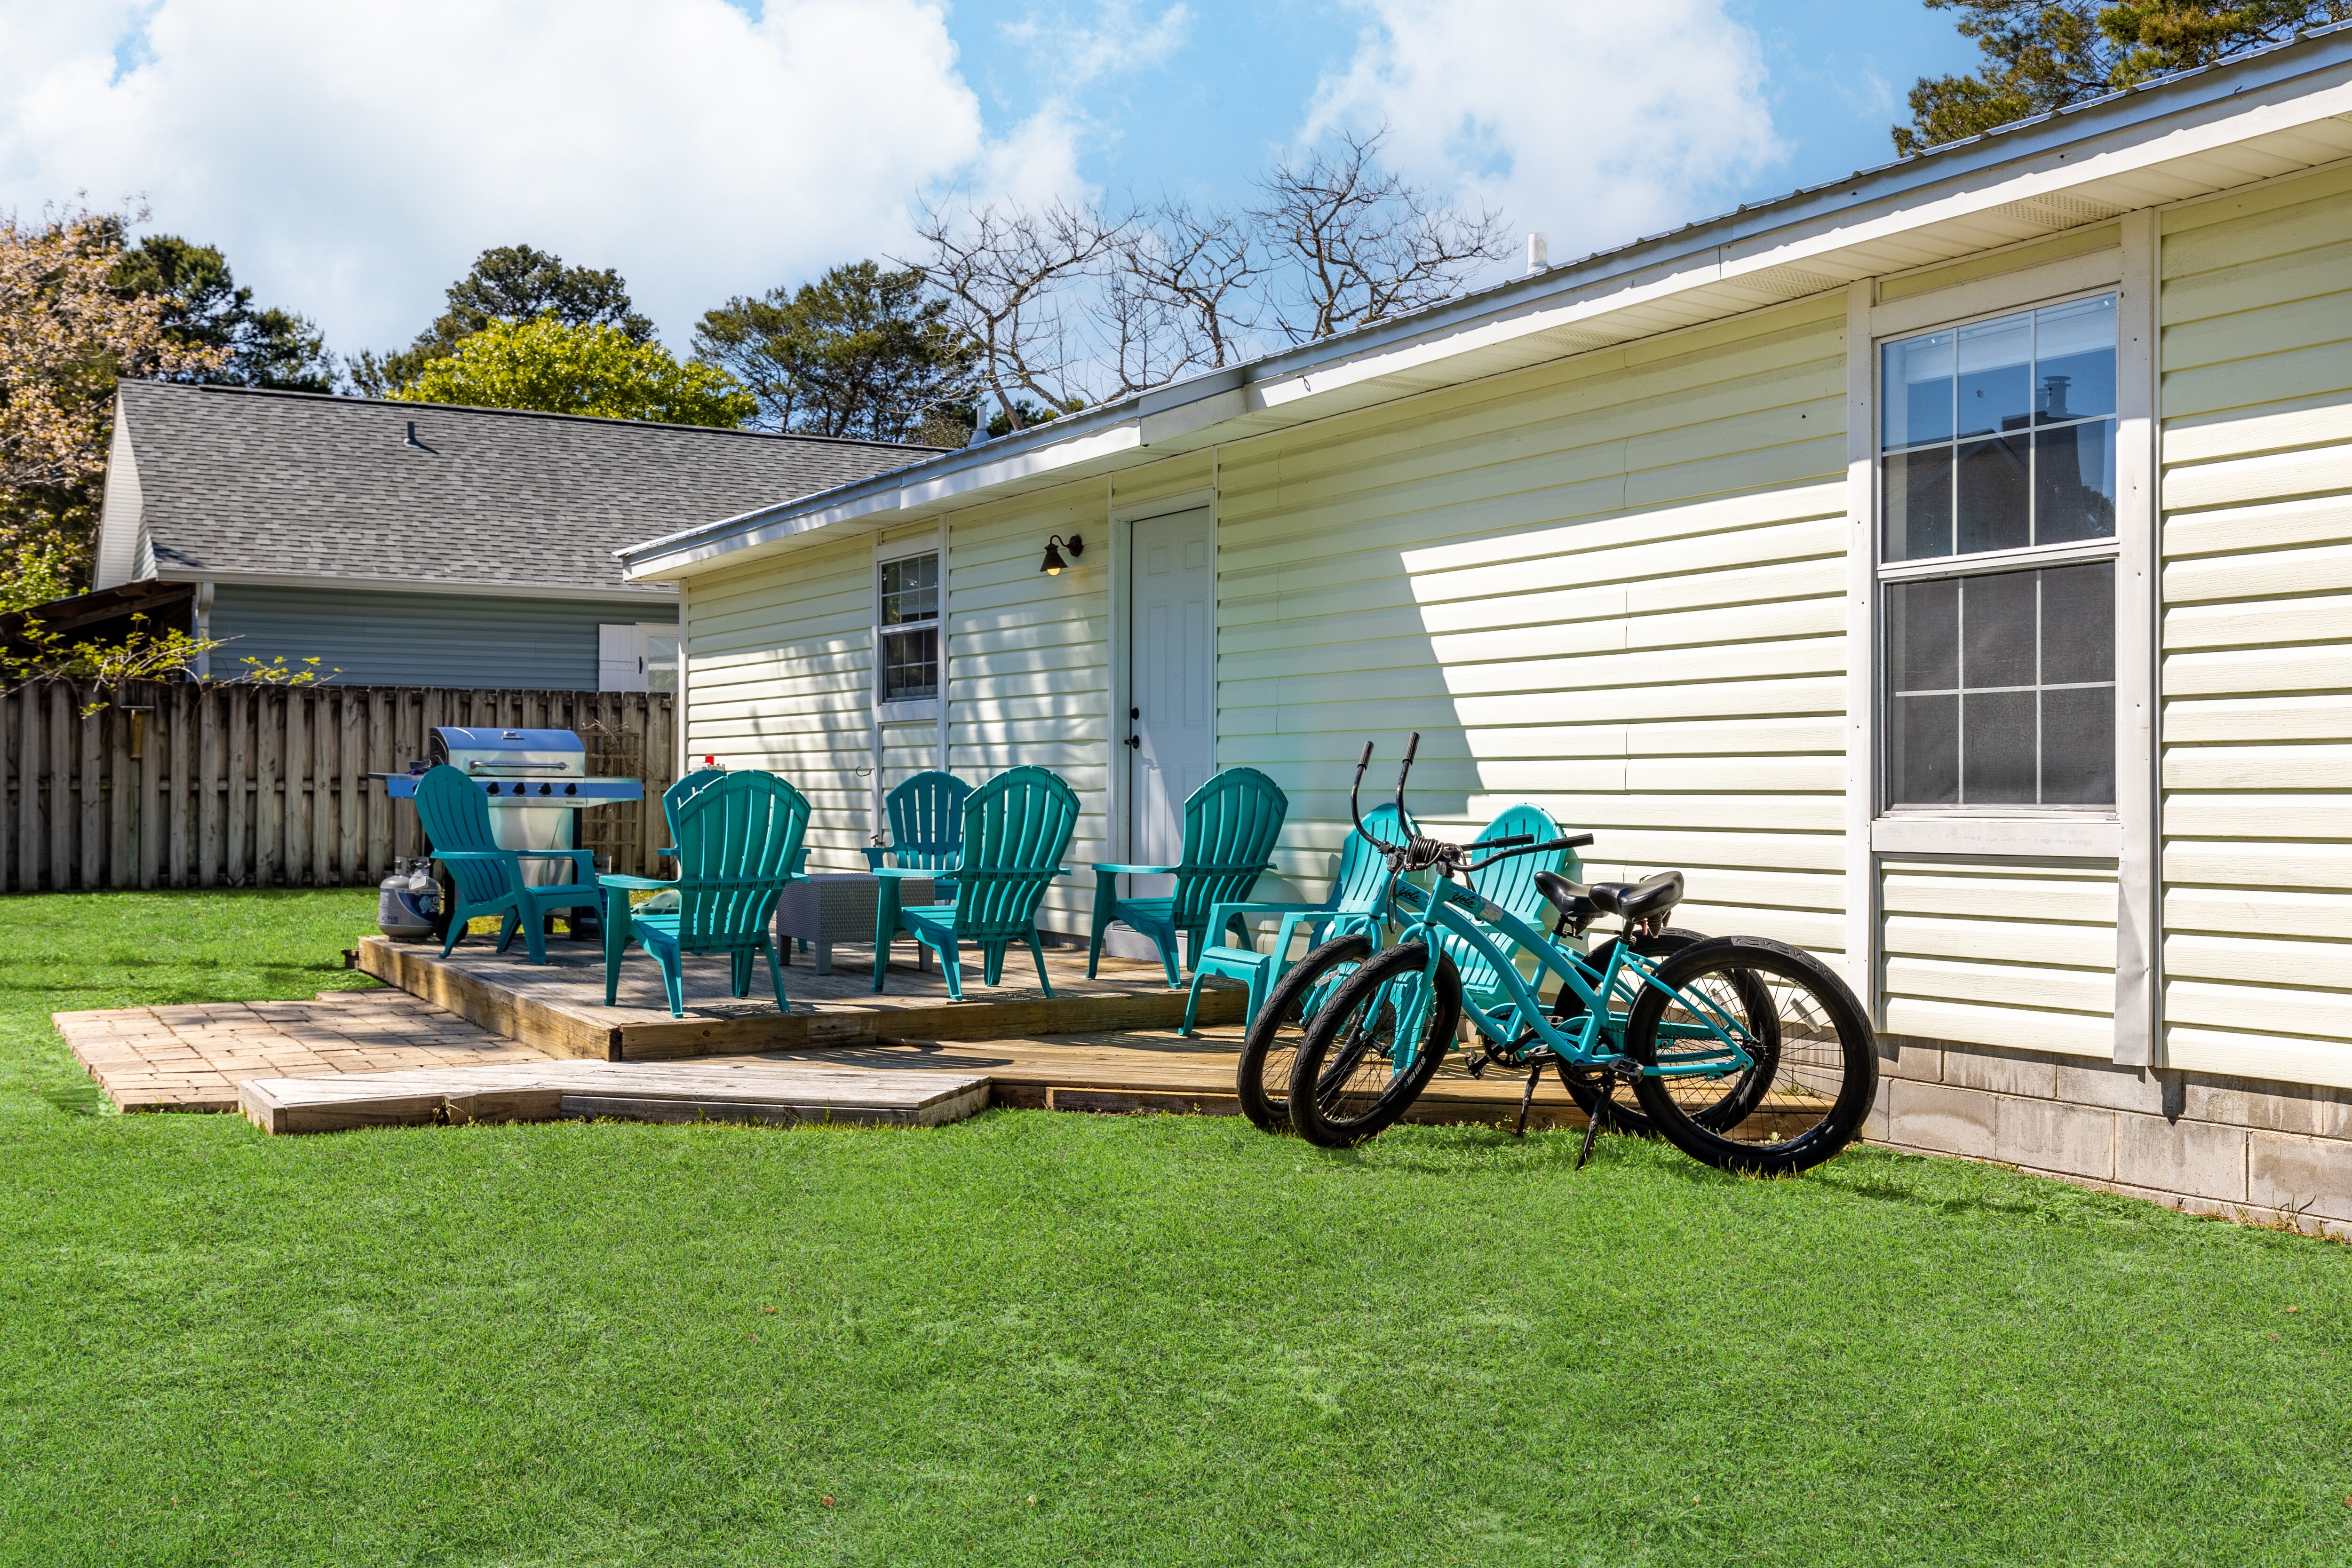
<point x="421" y="639"/>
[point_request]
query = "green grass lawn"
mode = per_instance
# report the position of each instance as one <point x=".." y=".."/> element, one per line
<point x="1040" y="1338"/>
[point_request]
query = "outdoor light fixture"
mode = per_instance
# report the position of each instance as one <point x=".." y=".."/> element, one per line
<point x="1054" y="549"/>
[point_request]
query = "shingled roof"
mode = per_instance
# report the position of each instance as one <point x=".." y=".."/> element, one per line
<point x="233" y="483"/>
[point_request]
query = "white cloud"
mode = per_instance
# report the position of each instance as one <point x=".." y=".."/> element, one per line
<point x="1591" y="121"/>
<point x="1122" y="38"/>
<point x="352" y="160"/>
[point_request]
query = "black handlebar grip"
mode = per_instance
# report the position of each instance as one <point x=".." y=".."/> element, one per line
<point x="1366" y="760"/>
<point x="1410" y="746"/>
<point x="1511" y="843"/>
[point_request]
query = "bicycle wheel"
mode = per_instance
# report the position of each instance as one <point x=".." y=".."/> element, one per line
<point x="1807" y="1104"/>
<point x="1591" y="1089"/>
<point x="1373" y="1047"/>
<point x="1270" y="1049"/>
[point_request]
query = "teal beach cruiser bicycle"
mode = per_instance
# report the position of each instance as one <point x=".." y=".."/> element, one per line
<point x="1744" y="1052"/>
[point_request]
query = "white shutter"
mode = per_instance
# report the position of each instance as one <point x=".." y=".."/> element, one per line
<point x="621" y="658"/>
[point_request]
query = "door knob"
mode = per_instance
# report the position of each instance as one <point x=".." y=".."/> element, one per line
<point x="1135" y="741"/>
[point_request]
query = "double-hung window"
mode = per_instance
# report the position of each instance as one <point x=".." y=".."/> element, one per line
<point x="906" y="639"/>
<point x="1997" y="563"/>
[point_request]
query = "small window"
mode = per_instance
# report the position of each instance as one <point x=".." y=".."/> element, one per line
<point x="909" y="636"/>
<point x="1996" y="438"/>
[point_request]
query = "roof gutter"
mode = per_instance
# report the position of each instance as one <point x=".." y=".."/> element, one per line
<point x="1757" y="255"/>
<point x="641" y="596"/>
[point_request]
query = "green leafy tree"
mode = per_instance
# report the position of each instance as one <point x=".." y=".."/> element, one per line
<point x="861" y="352"/>
<point x="205" y="307"/>
<point x="513" y="284"/>
<point x="2042" y="55"/>
<point x="560" y="368"/>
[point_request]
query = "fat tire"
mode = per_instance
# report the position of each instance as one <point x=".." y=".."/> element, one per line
<point x="1857" y="1056"/>
<point x="1308" y="1116"/>
<point x="1262" y="1079"/>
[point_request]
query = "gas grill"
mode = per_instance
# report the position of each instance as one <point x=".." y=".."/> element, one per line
<point x="535" y="783"/>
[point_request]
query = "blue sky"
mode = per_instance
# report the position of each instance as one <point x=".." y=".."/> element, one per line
<point x="352" y="162"/>
<point x="1219" y="106"/>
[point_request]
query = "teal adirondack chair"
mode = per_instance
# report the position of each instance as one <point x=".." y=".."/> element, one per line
<point x="1354" y="899"/>
<point x="1230" y="824"/>
<point x="1509" y="885"/>
<point x="738" y="839"/>
<point x="677" y="794"/>
<point x="1015" y="829"/>
<point x="926" y="816"/>
<point x="457" y="822"/>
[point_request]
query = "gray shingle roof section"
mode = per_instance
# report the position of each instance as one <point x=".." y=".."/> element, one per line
<point x="295" y="484"/>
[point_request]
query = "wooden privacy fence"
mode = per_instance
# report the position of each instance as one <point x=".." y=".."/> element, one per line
<point x="182" y="785"/>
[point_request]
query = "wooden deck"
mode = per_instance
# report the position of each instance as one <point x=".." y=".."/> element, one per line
<point x="755" y="1090"/>
<point x="558" y="1007"/>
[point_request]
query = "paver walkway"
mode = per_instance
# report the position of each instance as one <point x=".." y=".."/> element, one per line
<point x="192" y="1058"/>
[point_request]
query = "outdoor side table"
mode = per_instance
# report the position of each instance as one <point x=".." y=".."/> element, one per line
<point x="826" y="907"/>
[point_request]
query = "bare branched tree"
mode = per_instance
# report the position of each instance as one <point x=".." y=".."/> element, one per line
<point x="1353" y="244"/>
<point x="1008" y="273"/>
<point x="1066" y="305"/>
<point x="1199" y="268"/>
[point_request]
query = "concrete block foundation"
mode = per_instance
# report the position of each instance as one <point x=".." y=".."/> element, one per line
<point x="2240" y="1148"/>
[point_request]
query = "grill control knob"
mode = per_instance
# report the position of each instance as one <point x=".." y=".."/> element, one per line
<point x="547" y="788"/>
<point x="572" y="789"/>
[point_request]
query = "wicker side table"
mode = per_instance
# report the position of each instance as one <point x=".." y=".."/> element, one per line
<point x="827" y="907"/>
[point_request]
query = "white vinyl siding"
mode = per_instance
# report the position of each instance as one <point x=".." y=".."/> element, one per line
<point x="1028" y="664"/>
<point x="1613" y="587"/>
<point x="2257" y="632"/>
<point x="780" y="673"/>
<point x="1994" y="952"/>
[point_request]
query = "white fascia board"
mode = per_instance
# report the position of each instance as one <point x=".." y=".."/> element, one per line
<point x="648" y="596"/>
<point x="894" y="504"/>
<point x="1087" y="448"/>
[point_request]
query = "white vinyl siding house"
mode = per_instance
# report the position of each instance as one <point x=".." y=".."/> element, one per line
<point x="2257" y="630"/>
<point x="1616" y="540"/>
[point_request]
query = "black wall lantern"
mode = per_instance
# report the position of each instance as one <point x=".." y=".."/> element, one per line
<point x="1054" y="549"/>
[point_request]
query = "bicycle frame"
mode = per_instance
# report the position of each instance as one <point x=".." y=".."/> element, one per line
<point x="1447" y="905"/>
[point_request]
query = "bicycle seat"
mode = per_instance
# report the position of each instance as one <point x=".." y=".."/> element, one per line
<point x="1572" y="899"/>
<point x="1639" y="900"/>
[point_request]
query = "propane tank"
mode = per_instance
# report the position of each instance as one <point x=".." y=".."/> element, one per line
<point x="408" y="901"/>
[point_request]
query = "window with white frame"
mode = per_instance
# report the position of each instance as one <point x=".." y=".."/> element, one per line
<point x="906" y="639"/>
<point x="1997" y="546"/>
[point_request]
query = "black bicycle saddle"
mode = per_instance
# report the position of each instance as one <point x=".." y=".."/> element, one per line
<point x="1572" y="899"/>
<point x="1639" y="900"/>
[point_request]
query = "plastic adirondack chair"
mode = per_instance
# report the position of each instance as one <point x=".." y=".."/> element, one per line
<point x="677" y="795"/>
<point x="926" y="815"/>
<point x="1354" y="900"/>
<point x="490" y="881"/>
<point x="1509" y="885"/>
<point x="738" y="839"/>
<point x="1015" y="829"/>
<point x="1230" y="824"/>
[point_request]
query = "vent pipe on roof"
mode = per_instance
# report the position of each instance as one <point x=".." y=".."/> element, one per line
<point x="1539" y="254"/>
<point x="414" y="442"/>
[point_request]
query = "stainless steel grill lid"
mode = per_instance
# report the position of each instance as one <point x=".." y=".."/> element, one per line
<point x="494" y="753"/>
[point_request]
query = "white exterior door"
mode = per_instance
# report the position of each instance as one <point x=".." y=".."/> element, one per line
<point x="1172" y="681"/>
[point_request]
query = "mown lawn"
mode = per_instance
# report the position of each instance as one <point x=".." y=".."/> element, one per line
<point x="1039" y="1338"/>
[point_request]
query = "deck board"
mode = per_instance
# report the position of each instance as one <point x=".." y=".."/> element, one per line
<point x="759" y="1091"/>
<point x="558" y="1007"/>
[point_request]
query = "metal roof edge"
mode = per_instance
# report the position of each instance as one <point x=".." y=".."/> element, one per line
<point x="610" y="593"/>
<point x="1956" y="165"/>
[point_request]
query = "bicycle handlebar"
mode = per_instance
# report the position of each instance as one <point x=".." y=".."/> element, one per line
<point x="1418" y="853"/>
